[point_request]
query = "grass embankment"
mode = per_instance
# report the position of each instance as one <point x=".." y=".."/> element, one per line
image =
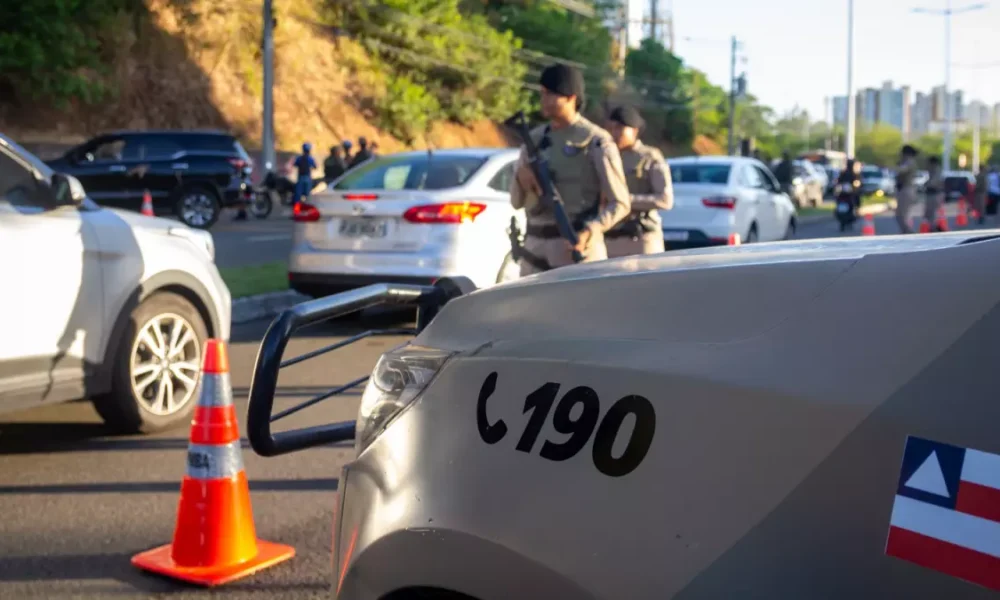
<point x="827" y="207"/>
<point x="255" y="279"/>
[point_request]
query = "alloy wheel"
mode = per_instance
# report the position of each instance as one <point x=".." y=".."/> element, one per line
<point x="164" y="364"/>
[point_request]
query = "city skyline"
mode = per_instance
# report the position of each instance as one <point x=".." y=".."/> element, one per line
<point x="916" y="113"/>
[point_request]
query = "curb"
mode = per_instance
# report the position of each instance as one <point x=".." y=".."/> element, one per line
<point x="870" y="209"/>
<point x="262" y="306"/>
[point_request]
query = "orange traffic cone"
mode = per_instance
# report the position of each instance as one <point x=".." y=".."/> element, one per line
<point x="869" y="227"/>
<point x="962" y="218"/>
<point x="147" y="204"/>
<point x="941" y="222"/>
<point x="925" y="227"/>
<point x="215" y="540"/>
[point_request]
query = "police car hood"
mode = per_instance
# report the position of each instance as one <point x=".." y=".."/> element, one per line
<point x="801" y="290"/>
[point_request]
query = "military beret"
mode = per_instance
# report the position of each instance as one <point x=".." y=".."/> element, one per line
<point x="627" y="116"/>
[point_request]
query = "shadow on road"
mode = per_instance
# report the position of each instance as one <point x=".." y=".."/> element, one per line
<point x="152" y="487"/>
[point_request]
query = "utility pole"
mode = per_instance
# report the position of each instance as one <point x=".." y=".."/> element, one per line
<point x="947" y="13"/>
<point x="851" y="103"/>
<point x="654" y="6"/>
<point x="623" y="38"/>
<point x="268" y="117"/>
<point x="732" y="96"/>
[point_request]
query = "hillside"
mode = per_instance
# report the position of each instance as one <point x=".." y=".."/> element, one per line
<point x="196" y="64"/>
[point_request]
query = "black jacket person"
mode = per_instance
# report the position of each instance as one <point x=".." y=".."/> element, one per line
<point x="586" y="169"/>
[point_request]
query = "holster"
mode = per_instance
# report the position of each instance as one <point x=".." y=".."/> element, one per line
<point x="634" y="226"/>
<point x="518" y="251"/>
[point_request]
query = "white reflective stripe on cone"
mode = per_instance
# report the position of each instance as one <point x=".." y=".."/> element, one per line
<point x="215" y="390"/>
<point x="214" y="462"/>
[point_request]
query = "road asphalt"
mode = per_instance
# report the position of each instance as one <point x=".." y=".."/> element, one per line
<point x="78" y="503"/>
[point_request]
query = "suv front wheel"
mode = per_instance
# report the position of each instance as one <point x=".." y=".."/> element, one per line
<point x="156" y="371"/>
<point x="198" y="206"/>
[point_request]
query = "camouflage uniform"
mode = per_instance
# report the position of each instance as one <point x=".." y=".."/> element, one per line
<point x="586" y="166"/>
<point x="906" y="195"/>
<point x="934" y="194"/>
<point x="649" y="183"/>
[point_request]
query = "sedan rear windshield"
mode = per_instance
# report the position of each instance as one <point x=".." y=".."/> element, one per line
<point x="423" y="172"/>
<point x="717" y="173"/>
<point x="871" y="173"/>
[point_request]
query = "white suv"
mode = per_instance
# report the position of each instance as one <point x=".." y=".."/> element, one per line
<point x="100" y="304"/>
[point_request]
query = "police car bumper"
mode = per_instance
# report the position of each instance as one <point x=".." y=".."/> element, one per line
<point x="420" y="507"/>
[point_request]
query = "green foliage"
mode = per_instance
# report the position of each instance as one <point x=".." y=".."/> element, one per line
<point x="50" y="50"/>
<point x="658" y="76"/>
<point x="450" y="65"/>
<point x="879" y="145"/>
<point x="407" y="108"/>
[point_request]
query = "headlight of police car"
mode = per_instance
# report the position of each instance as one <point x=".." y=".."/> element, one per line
<point x="399" y="377"/>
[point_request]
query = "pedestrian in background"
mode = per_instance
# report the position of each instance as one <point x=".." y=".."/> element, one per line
<point x="304" y="165"/>
<point x="334" y="166"/>
<point x="933" y="191"/>
<point x="587" y="170"/>
<point x="993" y="189"/>
<point x="364" y="153"/>
<point x="348" y="157"/>
<point x="906" y="193"/>
<point x="979" y="202"/>
<point x="648" y="179"/>
<point x="784" y="173"/>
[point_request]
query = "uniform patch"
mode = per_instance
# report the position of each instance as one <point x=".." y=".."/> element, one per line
<point x="946" y="515"/>
<point x="571" y="150"/>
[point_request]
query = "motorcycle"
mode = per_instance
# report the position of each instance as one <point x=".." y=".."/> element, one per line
<point x="845" y="210"/>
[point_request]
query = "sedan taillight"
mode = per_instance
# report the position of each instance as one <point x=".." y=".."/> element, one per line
<point x="305" y="213"/>
<point x="447" y="212"/>
<point x="724" y="202"/>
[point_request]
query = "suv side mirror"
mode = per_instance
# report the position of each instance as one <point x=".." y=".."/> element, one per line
<point x="68" y="190"/>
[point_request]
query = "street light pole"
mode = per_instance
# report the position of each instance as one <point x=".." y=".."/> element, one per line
<point x="947" y="13"/>
<point x="851" y="109"/>
<point x="268" y="116"/>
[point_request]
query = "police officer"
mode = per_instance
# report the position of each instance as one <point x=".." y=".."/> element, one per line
<point x="649" y="183"/>
<point x="906" y="193"/>
<point x="933" y="191"/>
<point x="586" y="169"/>
<point x="304" y="165"/>
<point x="979" y="202"/>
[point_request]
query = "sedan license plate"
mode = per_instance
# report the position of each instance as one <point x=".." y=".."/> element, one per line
<point x="675" y="236"/>
<point x="371" y="228"/>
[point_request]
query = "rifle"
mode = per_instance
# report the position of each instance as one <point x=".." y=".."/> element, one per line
<point x="550" y="196"/>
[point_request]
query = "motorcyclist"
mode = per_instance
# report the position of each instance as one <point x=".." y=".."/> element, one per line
<point x="849" y="189"/>
<point x="784" y="173"/>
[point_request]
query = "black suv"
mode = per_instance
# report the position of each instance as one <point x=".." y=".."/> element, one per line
<point x="191" y="174"/>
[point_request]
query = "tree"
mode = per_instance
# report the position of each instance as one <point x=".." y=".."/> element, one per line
<point x="656" y="78"/>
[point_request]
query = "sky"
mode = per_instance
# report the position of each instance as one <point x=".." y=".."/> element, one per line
<point x="794" y="52"/>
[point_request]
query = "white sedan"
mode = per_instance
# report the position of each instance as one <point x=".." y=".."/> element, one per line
<point x="720" y="198"/>
<point x="411" y="216"/>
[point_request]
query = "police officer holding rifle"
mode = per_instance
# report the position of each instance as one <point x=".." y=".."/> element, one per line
<point x="569" y="179"/>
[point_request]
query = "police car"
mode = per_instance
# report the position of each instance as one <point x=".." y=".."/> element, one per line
<point x="714" y="423"/>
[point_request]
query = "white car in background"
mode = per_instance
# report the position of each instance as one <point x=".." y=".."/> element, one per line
<point x="101" y="304"/>
<point x="412" y="217"/>
<point x="717" y="197"/>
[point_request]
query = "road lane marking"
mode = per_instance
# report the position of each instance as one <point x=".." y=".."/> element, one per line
<point x="273" y="237"/>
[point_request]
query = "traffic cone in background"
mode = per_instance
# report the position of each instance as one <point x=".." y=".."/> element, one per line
<point x="734" y="240"/>
<point x="869" y="227"/>
<point x="147" y="204"/>
<point x="215" y="540"/>
<point x="941" y="222"/>
<point x="962" y="218"/>
<point x="925" y="227"/>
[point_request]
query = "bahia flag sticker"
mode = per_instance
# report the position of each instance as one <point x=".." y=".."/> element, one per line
<point x="946" y="515"/>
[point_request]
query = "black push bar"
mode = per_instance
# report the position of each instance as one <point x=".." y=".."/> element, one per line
<point x="427" y="298"/>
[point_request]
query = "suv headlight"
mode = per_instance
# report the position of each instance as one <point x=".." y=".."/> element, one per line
<point x="398" y="379"/>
